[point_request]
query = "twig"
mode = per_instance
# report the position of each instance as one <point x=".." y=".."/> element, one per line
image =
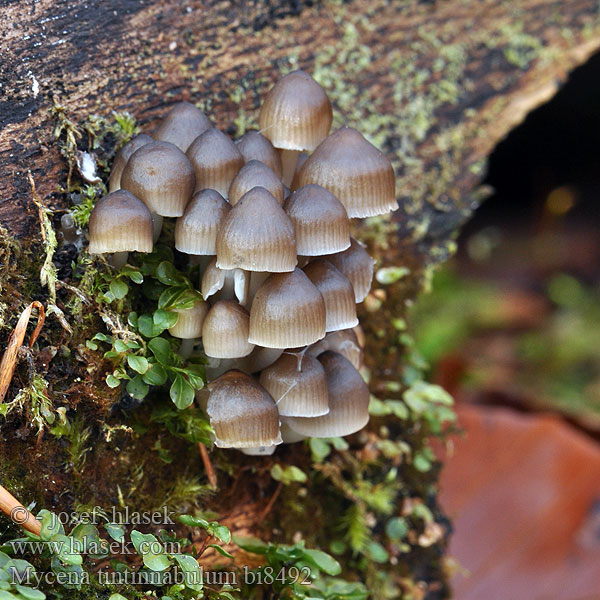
<point x="9" y="359"/>
<point x="17" y="513"/>
<point x="210" y="472"/>
<point x="270" y="504"/>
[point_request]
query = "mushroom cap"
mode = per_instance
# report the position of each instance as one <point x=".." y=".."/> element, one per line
<point x="241" y="412"/>
<point x="189" y="321"/>
<point x="258" y="359"/>
<point x="320" y="221"/>
<point x="120" y="222"/>
<point x="231" y="283"/>
<point x="182" y="125"/>
<point x="356" y="264"/>
<point x="257" y="235"/>
<point x="196" y="230"/>
<point x="344" y="342"/>
<point x="288" y="435"/>
<point x="121" y="158"/>
<point x="160" y="175"/>
<point x="255" y="146"/>
<point x="225" y="331"/>
<point x="348" y="401"/>
<point x="296" y="113"/>
<point x="255" y="174"/>
<point x="216" y="160"/>
<point x="354" y="171"/>
<point x="288" y="311"/>
<point x="337" y="291"/>
<point x="298" y="385"/>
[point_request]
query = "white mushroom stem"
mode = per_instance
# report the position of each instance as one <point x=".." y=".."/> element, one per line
<point x="157" y="223"/>
<point x="118" y="259"/>
<point x="186" y="348"/>
<point x="289" y="158"/>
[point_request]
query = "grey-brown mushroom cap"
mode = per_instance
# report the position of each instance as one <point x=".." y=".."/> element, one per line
<point x="344" y="342"/>
<point x="320" y="221"/>
<point x="182" y="125"/>
<point x="297" y="383"/>
<point x="356" y="264"/>
<point x="337" y="291"/>
<point x="189" y="321"/>
<point x="242" y="412"/>
<point x="354" y="171"/>
<point x="121" y="158"/>
<point x="225" y="331"/>
<point x="196" y="231"/>
<point x="160" y="175"/>
<point x="257" y="235"/>
<point x="216" y="160"/>
<point x="255" y="146"/>
<point x="255" y="174"/>
<point x="120" y="222"/>
<point x="296" y="113"/>
<point x="288" y="311"/>
<point x="348" y="402"/>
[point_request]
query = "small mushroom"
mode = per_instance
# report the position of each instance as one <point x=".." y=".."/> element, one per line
<point x="297" y="383"/>
<point x="121" y="158"/>
<point x="196" y="230"/>
<point x="216" y="160"/>
<point x="288" y="435"/>
<point x="120" y="223"/>
<point x="182" y="125"/>
<point x="337" y="291"/>
<point x="296" y="115"/>
<point x="188" y="327"/>
<point x="354" y="171"/>
<point x="225" y="331"/>
<point x="255" y="146"/>
<point x="257" y="235"/>
<point x="320" y="221"/>
<point x="288" y="311"/>
<point x="344" y="342"/>
<point x="160" y="175"/>
<point x="225" y="284"/>
<point x="348" y="402"/>
<point x="254" y="174"/>
<point x="356" y="264"/>
<point x="241" y="412"/>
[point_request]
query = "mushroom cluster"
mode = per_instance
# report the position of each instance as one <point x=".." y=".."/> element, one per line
<point x="267" y="218"/>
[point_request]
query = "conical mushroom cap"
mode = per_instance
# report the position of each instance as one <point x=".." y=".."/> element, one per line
<point x="288" y="435"/>
<point x="258" y="359"/>
<point x="288" y="311"/>
<point x="255" y="174"/>
<point x="298" y="385"/>
<point x="121" y="158"/>
<point x="257" y="235"/>
<point x="354" y="171"/>
<point x="225" y="284"/>
<point x="216" y="161"/>
<point x="160" y="175"/>
<point x="348" y="402"/>
<point x="296" y="114"/>
<point x="225" y="331"/>
<point x="241" y="412"/>
<point x="120" y="222"/>
<point x="356" y="264"/>
<point x="255" y="146"/>
<point x="320" y="221"/>
<point x="182" y="125"/>
<point x="189" y="321"/>
<point x="196" y="230"/>
<point x="344" y="342"/>
<point x="337" y="291"/>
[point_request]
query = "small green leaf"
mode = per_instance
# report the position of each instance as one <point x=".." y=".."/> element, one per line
<point x="376" y="552"/>
<point x="221" y="551"/>
<point x="396" y="528"/>
<point x="181" y="392"/>
<point x="112" y="381"/>
<point x="221" y="532"/>
<point x="136" y="277"/>
<point x="29" y="593"/>
<point x="138" y="363"/>
<point x="322" y="561"/>
<point x="250" y="544"/>
<point x="164" y="319"/>
<point x="288" y="474"/>
<point x="137" y="387"/>
<point x="147" y="328"/>
<point x="192" y="521"/>
<point x="169" y="296"/>
<point x="118" y="288"/>
<point x="161" y="349"/>
<point x="191" y="569"/>
<point x="116" y="597"/>
<point x="151" y="550"/>
<point x="156" y="374"/>
<point x="120" y="346"/>
<point x="116" y="532"/>
<point x="167" y="274"/>
<point x="319" y="449"/>
<point x="132" y="319"/>
<point x="51" y="525"/>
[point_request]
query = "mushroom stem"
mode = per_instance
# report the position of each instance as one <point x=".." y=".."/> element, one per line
<point x="157" y="223"/>
<point x="17" y="513"/>
<point x="118" y="259"/>
<point x="186" y="348"/>
<point x="289" y="158"/>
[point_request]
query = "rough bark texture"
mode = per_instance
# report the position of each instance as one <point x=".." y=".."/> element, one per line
<point x="435" y="84"/>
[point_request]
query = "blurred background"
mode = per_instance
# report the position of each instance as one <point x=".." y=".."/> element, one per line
<point x="512" y="329"/>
